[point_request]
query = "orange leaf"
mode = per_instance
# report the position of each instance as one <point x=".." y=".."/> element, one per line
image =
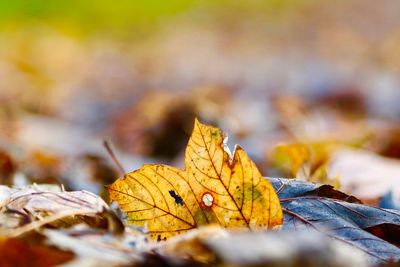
<point x="213" y="189"/>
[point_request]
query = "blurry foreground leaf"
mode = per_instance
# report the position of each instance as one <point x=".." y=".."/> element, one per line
<point x="221" y="247"/>
<point x="36" y="206"/>
<point x="294" y="249"/>
<point x="214" y="188"/>
<point x="31" y="251"/>
<point x="192" y="245"/>
<point x="94" y="247"/>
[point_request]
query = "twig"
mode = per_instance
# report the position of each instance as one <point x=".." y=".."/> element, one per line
<point x="113" y="157"/>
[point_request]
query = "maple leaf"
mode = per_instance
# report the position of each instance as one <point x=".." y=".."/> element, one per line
<point x="214" y="188"/>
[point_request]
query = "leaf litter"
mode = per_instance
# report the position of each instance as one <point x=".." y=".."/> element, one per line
<point x="81" y="224"/>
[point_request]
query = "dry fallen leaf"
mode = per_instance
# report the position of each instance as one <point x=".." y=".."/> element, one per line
<point x="311" y="207"/>
<point x="36" y="206"/>
<point x="214" y="188"/>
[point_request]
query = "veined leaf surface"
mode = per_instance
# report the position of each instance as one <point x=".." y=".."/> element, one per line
<point x="213" y="189"/>
<point x="320" y="208"/>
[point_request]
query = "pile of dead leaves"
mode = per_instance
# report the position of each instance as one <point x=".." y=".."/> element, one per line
<point x="219" y="210"/>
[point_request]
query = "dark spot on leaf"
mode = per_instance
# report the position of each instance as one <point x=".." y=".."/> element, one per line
<point x="329" y="192"/>
<point x="178" y="199"/>
<point x="387" y="232"/>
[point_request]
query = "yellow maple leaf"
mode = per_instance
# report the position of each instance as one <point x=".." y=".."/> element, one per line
<point x="214" y="188"/>
<point x="308" y="162"/>
<point x="299" y="156"/>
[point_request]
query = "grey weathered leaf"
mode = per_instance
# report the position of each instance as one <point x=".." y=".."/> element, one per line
<point x="367" y="228"/>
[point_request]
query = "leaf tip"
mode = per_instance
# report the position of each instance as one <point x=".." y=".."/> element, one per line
<point x="197" y="122"/>
<point x="237" y="148"/>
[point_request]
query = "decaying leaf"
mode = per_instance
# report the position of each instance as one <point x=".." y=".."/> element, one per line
<point x="213" y="189"/>
<point x="371" y="230"/>
<point x="35" y="206"/>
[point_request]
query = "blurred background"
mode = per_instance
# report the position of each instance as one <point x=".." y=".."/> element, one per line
<point x="309" y="88"/>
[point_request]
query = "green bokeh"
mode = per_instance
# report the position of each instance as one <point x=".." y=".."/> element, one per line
<point x="126" y="15"/>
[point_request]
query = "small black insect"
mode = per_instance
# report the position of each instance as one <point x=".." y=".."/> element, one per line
<point x="178" y="199"/>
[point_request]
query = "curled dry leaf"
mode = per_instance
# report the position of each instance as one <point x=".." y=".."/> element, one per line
<point x="213" y="189"/>
<point x="41" y="205"/>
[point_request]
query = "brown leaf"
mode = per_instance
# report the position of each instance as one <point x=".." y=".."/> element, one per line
<point x="31" y="251"/>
